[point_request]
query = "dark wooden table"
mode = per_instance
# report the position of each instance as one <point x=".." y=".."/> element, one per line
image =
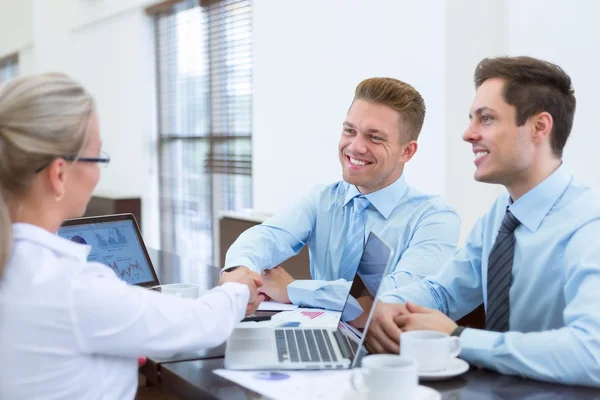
<point x="172" y="268"/>
<point x="192" y="378"/>
<point x="195" y="380"/>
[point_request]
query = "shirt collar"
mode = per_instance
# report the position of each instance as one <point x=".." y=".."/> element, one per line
<point x="531" y="208"/>
<point x="32" y="233"/>
<point x="384" y="200"/>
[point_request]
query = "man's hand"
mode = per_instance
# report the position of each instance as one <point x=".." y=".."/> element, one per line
<point x="423" y="318"/>
<point x="252" y="307"/>
<point x="250" y="278"/>
<point x="384" y="335"/>
<point x="275" y="283"/>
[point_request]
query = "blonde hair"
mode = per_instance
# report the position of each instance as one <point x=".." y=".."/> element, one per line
<point x="398" y="95"/>
<point x="41" y="117"/>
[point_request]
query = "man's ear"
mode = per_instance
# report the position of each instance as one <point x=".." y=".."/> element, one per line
<point x="542" y="126"/>
<point x="409" y="150"/>
<point x="58" y="173"/>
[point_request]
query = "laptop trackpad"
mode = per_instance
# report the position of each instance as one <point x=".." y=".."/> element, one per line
<point x="255" y="340"/>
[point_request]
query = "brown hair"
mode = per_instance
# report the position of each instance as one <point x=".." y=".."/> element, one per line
<point x="41" y="116"/>
<point x="400" y="96"/>
<point x="533" y="86"/>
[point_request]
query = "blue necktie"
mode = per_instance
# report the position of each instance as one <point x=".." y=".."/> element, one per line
<point x="355" y="237"/>
<point x="500" y="275"/>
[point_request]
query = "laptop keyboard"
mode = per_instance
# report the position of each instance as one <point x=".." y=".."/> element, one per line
<point x="304" y="345"/>
<point x="347" y="346"/>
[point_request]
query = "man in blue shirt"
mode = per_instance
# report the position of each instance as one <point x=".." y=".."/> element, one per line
<point x="379" y="137"/>
<point x="534" y="259"/>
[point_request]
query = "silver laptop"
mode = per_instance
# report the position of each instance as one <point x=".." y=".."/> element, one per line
<point x="307" y="348"/>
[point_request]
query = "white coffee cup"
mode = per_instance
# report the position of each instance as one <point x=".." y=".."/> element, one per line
<point x="386" y="376"/>
<point x="432" y="350"/>
<point x="187" y="290"/>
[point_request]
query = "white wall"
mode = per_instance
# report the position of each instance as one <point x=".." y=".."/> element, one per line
<point x="307" y="64"/>
<point x="568" y="34"/>
<point x="108" y="46"/>
<point x="26" y="60"/>
<point x="115" y="61"/>
<point x="121" y="83"/>
<point x="309" y="56"/>
<point x="433" y="48"/>
<point x="91" y="11"/>
<point x="16" y="26"/>
<point x="475" y="29"/>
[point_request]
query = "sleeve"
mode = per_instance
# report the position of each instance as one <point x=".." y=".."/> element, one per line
<point x="569" y="355"/>
<point x="456" y="289"/>
<point x="111" y="317"/>
<point x="269" y="244"/>
<point x="433" y="242"/>
<point x="330" y="295"/>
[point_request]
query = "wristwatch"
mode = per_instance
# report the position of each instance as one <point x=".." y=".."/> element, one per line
<point x="230" y="269"/>
<point x="458" y="330"/>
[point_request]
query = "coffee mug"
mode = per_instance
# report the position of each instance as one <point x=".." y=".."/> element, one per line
<point x="187" y="290"/>
<point x="386" y="376"/>
<point x="432" y="350"/>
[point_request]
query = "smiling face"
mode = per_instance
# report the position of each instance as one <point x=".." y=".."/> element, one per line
<point x="370" y="151"/>
<point x="504" y="152"/>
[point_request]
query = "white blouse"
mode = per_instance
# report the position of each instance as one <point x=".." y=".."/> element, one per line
<point x="71" y="329"/>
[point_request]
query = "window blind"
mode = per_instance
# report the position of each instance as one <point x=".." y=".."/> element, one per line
<point x="204" y="83"/>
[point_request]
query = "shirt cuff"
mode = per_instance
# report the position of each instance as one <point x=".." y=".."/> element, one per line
<point x="301" y="292"/>
<point x="352" y="309"/>
<point x="477" y="344"/>
<point x="241" y="262"/>
<point x="389" y="297"/>
<point x="240" y="295"/>
<point x="403" y="278"/>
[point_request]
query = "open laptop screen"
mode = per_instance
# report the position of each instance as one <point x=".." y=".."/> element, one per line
<point x="115" y="242"/>
<point x="378" y="255"/>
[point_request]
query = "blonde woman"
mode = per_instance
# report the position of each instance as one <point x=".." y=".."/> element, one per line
<point x="69" y="328"/>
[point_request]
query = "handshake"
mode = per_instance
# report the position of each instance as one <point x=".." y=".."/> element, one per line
<point x="272" y="284"/>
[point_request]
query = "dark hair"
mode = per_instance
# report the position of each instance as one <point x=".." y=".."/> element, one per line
<point x="533" y="86"/>
<point x="398" y="95"/>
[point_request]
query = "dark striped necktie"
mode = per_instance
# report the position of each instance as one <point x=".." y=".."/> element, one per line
<point x="500" y="275"/>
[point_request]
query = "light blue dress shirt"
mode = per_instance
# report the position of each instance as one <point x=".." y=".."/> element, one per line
<point x="422" y="230"/>
<point x="555" y="293"/>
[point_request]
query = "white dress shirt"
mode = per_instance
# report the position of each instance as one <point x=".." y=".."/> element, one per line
<point x="71" y="329"/>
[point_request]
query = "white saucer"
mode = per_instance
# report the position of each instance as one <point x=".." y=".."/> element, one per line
<point x="455" y="367"/>
<point x="422" y="393"/>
